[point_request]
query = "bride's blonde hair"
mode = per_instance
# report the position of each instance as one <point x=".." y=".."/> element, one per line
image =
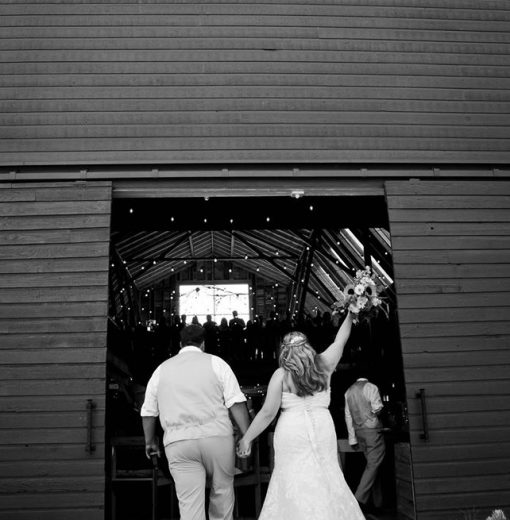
<point x="300" y="360"/>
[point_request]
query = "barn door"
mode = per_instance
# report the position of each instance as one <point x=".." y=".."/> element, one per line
<point x="54" y="246"/>
<point x="451" y="254"/>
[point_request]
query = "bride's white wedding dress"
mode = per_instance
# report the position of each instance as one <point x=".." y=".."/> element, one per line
<point x="307" y="482"/>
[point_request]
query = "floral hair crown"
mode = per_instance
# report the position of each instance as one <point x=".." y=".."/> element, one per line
<point x="295" y="341"/>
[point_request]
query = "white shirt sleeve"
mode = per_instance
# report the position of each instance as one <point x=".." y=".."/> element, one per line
<point x="371" y="392"/>
<point x="350" y="427"/>
<point x="150" y="403"/>
<point x="232" y="392"/>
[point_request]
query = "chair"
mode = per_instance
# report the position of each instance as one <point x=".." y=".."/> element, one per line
<point x="129" y="464"/>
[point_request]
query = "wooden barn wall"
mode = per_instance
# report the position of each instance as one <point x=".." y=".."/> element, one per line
<point x="451" y="253"/>
<point x="286" y="81"/>
<point x="54" y="248"/>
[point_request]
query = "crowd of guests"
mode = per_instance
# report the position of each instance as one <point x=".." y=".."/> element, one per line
<point x="257" y="339"/>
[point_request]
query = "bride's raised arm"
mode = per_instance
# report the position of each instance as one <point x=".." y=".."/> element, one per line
<point x="332" y="355"/>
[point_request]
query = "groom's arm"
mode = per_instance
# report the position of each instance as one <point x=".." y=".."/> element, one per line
<point x="240" y="415"/>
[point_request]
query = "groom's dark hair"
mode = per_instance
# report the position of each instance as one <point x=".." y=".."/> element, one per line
<point x="192" y="335"/>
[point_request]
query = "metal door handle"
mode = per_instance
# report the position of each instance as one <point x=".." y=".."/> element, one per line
<point x="90" y="446"/>
<point x="421" y="396"/>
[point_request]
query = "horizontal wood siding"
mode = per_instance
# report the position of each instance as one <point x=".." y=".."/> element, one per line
<point x="451" y="252"/>
<point x="290" y="81"/>
<point x="54" y="262"/>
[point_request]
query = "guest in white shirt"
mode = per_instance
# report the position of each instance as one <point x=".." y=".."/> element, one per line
<point x="194" y="394"/>
<point x="362" y="407"/>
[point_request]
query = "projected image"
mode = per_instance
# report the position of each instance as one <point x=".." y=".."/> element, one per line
<point x="218" y="300"/>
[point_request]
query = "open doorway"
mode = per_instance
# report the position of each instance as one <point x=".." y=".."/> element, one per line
<point x="293" y="255"/>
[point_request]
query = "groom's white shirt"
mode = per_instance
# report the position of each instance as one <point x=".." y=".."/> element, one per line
<point x="191" y="393"/>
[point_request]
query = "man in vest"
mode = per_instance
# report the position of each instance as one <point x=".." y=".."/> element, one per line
<point x="362" y="406"/>
<point x="193" y="393"/>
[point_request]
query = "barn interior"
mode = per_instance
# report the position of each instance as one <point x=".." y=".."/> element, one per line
<point x="281" y="263"/>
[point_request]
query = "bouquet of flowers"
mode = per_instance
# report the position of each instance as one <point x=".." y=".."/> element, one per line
<point x="497" y="514"/>
<point x="361" y="297"/>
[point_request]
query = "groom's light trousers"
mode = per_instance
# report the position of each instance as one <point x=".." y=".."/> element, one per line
<point x="195" y="463"/>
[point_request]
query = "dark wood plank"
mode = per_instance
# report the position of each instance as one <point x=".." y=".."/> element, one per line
<point x="461" y="453"/>
<point x="56" y="403"/>
<point x="449" y="485"/>
<point x="59" y="369"/>
<point x="63" y="325"/>
<point x="438" y="504"/>
<point x="92" y="387"/>
<point x="58" y="340"/>
<point x="31" y="295"/>
<point x="54" y="222"/>
<point x="16" y="280"/>
<point x="77" y="207"/>
<point x="42" y="251"/>
<point x="443" y="314"/>
<point x="58" y="236"/>
<point x="63" y="265"/>
<point x="452" y="437"/>
<point x="48" y="452"/>
<point x="55" y="513"/>
<point x="480" y="357"/>
<point x="50" y="436"/>
<point x="446" y="187"/>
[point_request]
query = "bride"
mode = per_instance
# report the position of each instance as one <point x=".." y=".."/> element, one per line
<point x="307" y="482"/>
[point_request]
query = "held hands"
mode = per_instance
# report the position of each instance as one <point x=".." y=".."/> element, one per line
<point x="243" y="449"/>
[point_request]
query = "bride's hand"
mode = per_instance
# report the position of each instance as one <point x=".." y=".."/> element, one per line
<point x="243" y="449"/>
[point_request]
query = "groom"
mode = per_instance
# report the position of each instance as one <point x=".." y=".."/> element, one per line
<point x="193" y="393"/>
